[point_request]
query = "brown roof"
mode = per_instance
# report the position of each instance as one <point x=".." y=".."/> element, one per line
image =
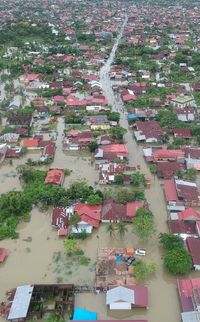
<point x="193" y="245"/>
<point x="182" y="227"/>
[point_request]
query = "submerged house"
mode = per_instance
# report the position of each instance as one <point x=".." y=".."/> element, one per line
<point x="127" y="297"/>
<point x="33" y="301"/>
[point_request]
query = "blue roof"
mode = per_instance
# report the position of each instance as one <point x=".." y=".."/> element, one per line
<point x="81" y="314"/>
<point x="132" y="116"/>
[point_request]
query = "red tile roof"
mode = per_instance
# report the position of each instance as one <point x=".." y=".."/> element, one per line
<point x="186" y="291"/>
<point x="164" y="153"/>
<point x="193" y="245"/>
<point x="189" y="214"/>
<point x="30" y="143"/>
<point x="182" y="133"/>
<point x="170" y="190"/>
<point x="181" y="227"/>
<point x="55" y="176"/>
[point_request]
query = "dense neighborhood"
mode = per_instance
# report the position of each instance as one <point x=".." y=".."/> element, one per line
<point x="99" y="160"/>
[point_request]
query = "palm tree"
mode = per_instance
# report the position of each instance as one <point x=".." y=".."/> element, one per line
<point x="110" y="228"/>
<point x="121" y="228"/>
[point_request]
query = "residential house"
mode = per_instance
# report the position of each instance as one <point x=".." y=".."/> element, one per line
<point x="115" y="212"/>
<point x="148" y="131"/>
<point x="168" y="155"/>
<point x="89" y="218"/>
<point x="183" y="228"/>
<point x="182" y="133"/>
<point x="183" y="101"/>
<point x="189" y="299"/>
<point x="186" y="214"/>
<point x="110" y="153"/>
<point x="167" y="169"/>
<point x="55" y="177"/>
<point x="20" y="120"/>
<point x="181" y="192"/>
<point x="126" y="297"/>
<point x="75" y="140"/>
<point x="185" y="114"/>
<point x="99" y="122"/>
<point x="193" y="246"/>
<point x="192" y="157"/>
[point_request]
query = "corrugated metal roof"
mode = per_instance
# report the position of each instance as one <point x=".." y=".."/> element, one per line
<point x="193" y="316"/>
<point x="120" y="293"/>
<point x="21" y="302"/>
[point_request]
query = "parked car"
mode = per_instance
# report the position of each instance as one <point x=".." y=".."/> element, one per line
<point x="140" y="252"/>
<point x="130" y="260"/>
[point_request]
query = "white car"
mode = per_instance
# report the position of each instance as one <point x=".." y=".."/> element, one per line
<point x="140" y="251"/>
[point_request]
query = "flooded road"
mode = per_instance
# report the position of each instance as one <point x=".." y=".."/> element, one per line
<point x="163" y="301"/>
<point x="31" y="257"/>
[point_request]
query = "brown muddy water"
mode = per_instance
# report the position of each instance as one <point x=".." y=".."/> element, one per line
<point x="38" y="255"/>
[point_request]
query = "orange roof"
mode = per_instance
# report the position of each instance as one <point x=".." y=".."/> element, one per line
<point x="119" y="148"/>
<point x="30" y="143"/>
<point x="54" y="176"/>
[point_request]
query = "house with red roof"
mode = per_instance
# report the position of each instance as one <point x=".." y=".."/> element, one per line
<point x="182" y="133"/>
<point x="148" y="131"/>
<point x="60" y="217"/>
<point x="31" y="144"/>
<point x="3" y="254"/>
<point x="168" y="155"/>
<point x="189" y="298"/>
<point x="75" y="140"/>
<point x="181" y="192"/>
<point x="115" y="212"/>
<point x="193" y="246"/>
<point x="183" y="228"/>
<point x="111" y="152"/>
<point x="55" y="177"/>
<point x="167" y="169"/>
<point x="188" y="214"/>
<point x="126" y="297"/>
<point x="89" y="218"/>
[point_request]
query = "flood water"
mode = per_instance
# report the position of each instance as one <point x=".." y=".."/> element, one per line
<point x="32" y="257"/>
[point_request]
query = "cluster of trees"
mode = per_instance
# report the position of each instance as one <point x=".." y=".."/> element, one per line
<point x="177" y="260"/>
<point x="16" y="205"/>
<point x="189" y="174"/>
<point x="117" y="133"/>
<point x="120" y="228"/>
<point x="137" y="179"/>
<point x="143" y="270"/>
<point x="143" y="224"/>
<point x="124" y="195"/>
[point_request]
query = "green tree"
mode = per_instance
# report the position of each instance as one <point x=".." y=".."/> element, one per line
<point x="110" y="228"/>
<point x="153" y="168"/>
<point x="114" y="116"/>
<point x="143" y="270"/>
<point x="137" y="178"/>
<point x="74" y="220"/>
<point x="119" y="179"/>
<point x="93" y="146"/>
<point x="117" y="133"/>
<point x="71" y="246"/>
<point x="170" y="241"/>
<point x="190" y="174"/>
<point x="178" y="261"/>
<point x="143" y="224"/>
<point x="94" y="200"/>
<point x="121" y="229"/>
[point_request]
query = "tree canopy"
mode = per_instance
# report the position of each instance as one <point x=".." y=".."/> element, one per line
<point x="143" y="224"/>
<point x="178" y="261"/>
